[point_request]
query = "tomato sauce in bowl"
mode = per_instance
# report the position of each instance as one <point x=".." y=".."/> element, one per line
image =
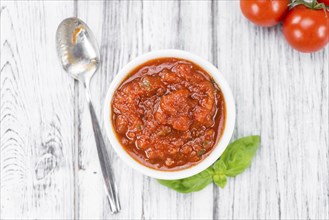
<point x="168" y="114"/>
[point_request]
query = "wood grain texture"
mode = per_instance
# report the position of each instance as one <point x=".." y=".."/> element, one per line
<point x="282" y="95"/>
<point x="36" y="114"/>
<point x="49" y="163"/>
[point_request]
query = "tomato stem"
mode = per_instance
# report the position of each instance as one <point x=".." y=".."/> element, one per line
<point x="315" y="5"/>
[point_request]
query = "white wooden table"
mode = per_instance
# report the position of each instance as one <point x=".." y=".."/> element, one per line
<point x="49" y="165"/>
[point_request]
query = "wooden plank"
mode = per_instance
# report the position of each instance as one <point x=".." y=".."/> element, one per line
<point x="282" y="95"/>
<point x="37" y="132"/>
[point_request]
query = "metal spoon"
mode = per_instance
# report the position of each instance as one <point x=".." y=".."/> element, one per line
<point x="79" y="53"/>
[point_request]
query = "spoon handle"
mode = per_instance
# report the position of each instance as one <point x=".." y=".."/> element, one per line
<point x="111" y="189"/>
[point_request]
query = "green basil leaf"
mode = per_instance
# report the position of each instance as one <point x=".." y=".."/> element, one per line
<point x="219" y="166"/>
<point x="235" y="159"/>
<point x="191" y="184"/>
<point x="220" y="180"/>
<point x="220" y="170"/>
<point x="238" y="155"/>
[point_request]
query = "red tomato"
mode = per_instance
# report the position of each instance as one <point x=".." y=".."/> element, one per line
<point x="305" y="29"/>
<point x="326" y="2"/>
<point x="264" y="12"/>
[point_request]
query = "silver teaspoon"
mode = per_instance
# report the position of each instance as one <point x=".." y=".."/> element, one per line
<point x="79" y="54"/>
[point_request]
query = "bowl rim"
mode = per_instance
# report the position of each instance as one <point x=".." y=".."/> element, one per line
<point x="218" y="148"/>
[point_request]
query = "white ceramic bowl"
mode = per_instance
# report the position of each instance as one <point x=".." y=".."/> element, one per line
<point x="218" y="148"/>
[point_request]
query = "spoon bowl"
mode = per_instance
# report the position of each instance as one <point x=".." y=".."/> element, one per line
<point x="77" y="48"/>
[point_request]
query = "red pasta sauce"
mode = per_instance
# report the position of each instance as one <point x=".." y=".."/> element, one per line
<point x="168" y="114"/>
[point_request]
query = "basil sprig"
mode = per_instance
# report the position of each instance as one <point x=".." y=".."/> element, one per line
<point x="235" y="159"/>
